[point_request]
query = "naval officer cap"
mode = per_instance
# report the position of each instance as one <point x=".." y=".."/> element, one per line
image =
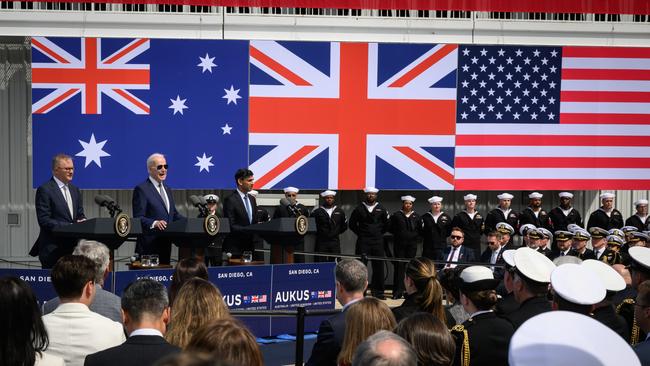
<point x="477" y="278"/>
<point x="566" y="259"/>
<point x="523" y="230"/>
<point x="534" y="233"/>
<point x="581" y="234"/>
<point x="617" y="232"/>
<point x="535" y="195"/>
<point x="641" y="202"/>
<point x="533" y="265"/>
<point x="328" y="193"/>
<point x="629" y="229"/>
<point x="615" y="240"/>
<point x="640" y="259"/>
<point x="435" y="199"/>
<point x="505" y="228"/>
<point x="509" y="258"/>
<point x="638" y="236"/>
<point x="505" y="196"/>
<point x="612" y="281"/>
<point x="568" y="282"/>
<point x="573" y="227"/>
<point x="607" y="195"/>
<point x="291" y="190"/>
<point x="211" y="198"/>
<point x="545" y="232"/>
<point x="370" y="190"/>
<point x="407" y="198"/>
<point x="563" y="235"/>
<point x="469" y="197"/>
<point x="598" y="232"/>
<point x="566" y="338"/>
<point x="565" y="195"/>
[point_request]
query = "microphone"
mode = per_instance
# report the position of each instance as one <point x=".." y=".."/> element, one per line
<point x="108" y="202"/>
<point x="284" y="202"/>
<point x="291" y="204"/>
<point x="101" y="200"/>
<point x="197" y="202"/>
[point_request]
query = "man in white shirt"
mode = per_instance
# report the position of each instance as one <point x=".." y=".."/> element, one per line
<point x="74" y="330"/>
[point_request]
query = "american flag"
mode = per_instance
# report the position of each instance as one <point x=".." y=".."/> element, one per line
<point x="552" y="118"/>
<point x="347" y="115"/>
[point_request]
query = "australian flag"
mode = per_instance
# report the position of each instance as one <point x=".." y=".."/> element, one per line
<point x="110" y="103"/>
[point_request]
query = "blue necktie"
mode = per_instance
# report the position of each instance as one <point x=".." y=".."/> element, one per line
<point x="248" y="209"/>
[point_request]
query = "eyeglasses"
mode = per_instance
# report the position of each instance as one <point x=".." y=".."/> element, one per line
<point x="456" y="237"/>
<point x="159" y="167"/>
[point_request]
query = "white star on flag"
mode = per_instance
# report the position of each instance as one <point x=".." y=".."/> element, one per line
<point x="93" y="151"/>
<point x="206" y="63"/>
<point x="232" y="95"/>
<point x="204" y="163"/>
<point x="226" y="129"/>
<point x="178" y="105"/>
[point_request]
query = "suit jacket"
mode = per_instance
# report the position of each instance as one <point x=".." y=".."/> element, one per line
<point x="528" y="309"/>
<point x="472" y="228"/>
<point x="642" y="351"/>
<point x="76" y="332"/>
<point x="148" y="206"/>
<point x="329" y="341"/>
<point x="234" y="209"/>
<point x="139" y="350"/>
<point x="52" y="212"/>
<point x="487" y="254"/>
<point x="466" y="254"/>
<point x="105" y="304"/>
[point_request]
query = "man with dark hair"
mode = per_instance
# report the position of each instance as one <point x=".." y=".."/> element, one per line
<point x="240" y="208"/>
<point x="384" y="348"/>
<point x="58" y="202"/>
<point x="502" y="213"/>
<point x="471" y="222"/>
<point x="74" y="330"/>
<point x="534" y="214"/>
<point x="457" y="252"/>
<point x="351" y="282"/>
<point x="436" y="227"/>
<point x="146" y="313"/>
<point x="564" y="214"/>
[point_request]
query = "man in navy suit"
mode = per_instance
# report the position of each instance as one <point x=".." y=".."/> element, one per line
<point x="58" y="203"/>
<point x="457" y="252"/>
<point x="153" y="204"/>
<point x="240" y="208"/>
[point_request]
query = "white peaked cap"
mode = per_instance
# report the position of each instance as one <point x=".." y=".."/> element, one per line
<point x="370" y="190"/>
<point x="534" y="265"/>
<point x="291" y="189"/>
<point x="435" y="199"/>
<point x="568" y="282"/>
<point x="407" y="198"/>
<point x="567" y="338"/>
<point x="608" y="275"/>
<point x="607" y="195"/>
<point x="469" y="196"/>
<point x="327" y="193"/>
<point x="640" y="255"/>
<point x="641" y="202"/>
<point x="509" y="257"/>
<point x="505" y="196"/>
<point x="535" y="195"/>
<point x="566" y="194"/>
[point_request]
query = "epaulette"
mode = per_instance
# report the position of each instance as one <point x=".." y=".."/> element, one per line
<point x="628" y="301"/>
<point x="464" y="350"/>
<point x="636" y="330"/>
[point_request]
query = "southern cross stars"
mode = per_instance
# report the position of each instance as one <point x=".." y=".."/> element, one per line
<point x="232" y="95"/>
<point x="93" y="151"/>
<point x="206" y="63"/>
<point x="204" y="163"/>
<point x="178" y="104"/>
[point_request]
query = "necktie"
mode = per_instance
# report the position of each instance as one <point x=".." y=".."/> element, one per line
<point x="249" y="211"/>
<point x="561" y="254"/>
<point x="161" y="190"/>
<point x="68" y="200"/>
<point x="494" y="257"/>
<point x="451" y="257"/>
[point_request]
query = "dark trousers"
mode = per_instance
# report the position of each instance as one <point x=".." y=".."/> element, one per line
<point x="333" y="247"/>
<point x="401" y="251"/>
<point x="375" y="249"/>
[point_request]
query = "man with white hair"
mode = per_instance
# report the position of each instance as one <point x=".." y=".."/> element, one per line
<point x="330" y="224"/>
<point x="153" y="203"/>
<point x="436" y="227"/>
<point x="384" y="348"/>
<point x="534" y="214"/>
<point x="104" y="303"/>
<point x="405" y="225"/>
<point x="640" y="218"/>
<point x="502" y="213"/>
<point x="471" y="221"/>
<point x="606" y="217"/>
<point x="293" y="209"/>
<point x="564" y="214"/>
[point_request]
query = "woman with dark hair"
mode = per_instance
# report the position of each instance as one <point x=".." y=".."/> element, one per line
<point x="229" y="341"/>
<point x="185" y="269"/>
<point x="423" y="292"/>
<point x="430" y="338"/>
<point x="23" y="338"/>
<point x="448" y="278"/>
<point x="482" y="339"/>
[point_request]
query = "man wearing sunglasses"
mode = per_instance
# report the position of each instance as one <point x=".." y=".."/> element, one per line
<point x="153" y="204"/>
<point x="457" y="252"/>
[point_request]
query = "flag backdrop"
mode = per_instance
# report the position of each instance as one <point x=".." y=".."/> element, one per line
<point x="343" y="115"/>
<point x="110" y="103"/>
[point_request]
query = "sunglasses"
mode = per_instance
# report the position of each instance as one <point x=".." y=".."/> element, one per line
<point x="456" y="237"/>
<point x="159" y="167"/>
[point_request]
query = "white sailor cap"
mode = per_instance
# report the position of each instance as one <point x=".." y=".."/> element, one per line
<point x="435" y="199"/>
<point x="370" y="190"/>
<point x="477" y="278"/>
<point x="640" y="258"/>
<point x="612" y="280"/>
<point x="407" y="198"/>
<point x="211" y="198"/>
<point x="533" y="265"/>
<point x="565" y="194"/>
<point x="568" y="282"/>
<point x="327" y="193"/>
<point x="525" y="227"/>
<point x="504" y="227"/>
<point x="545" y="232"/>
<point x="469" y="196"/>
<point x="253" y="193"/>
<point x="641" y="202"/>
<point x="573" y="227"/>
<point x="505" y="196"/>
<point x="545" y="339"/>
<point x="291" y="190"/>
<point x="607" y="195"/>
<point x="535" y="195"/>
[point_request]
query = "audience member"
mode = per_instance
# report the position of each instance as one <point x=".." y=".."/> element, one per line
<point x="569" y="290"/>
<point x="363" y="319"/>
<point x="185" y="269"/>
<point x="146" y="313"/>
<point x="642" y="317"/>
<point x="74" y="330"/>
<point x="423" y="292"/>
<point x="23" y="338"/>
<point x="604" y="311"/>
<point x="449" y="282"/>
<point x="198" y="303"/>
<point x="351" y="282"/>
<point x="105" y="303"/>
<point x="386" y="349"/>
<point x="507" y="303"/>
<point x="228" y="340"/>
<point x="190" y="359"/>
<point x="430" y="338"/>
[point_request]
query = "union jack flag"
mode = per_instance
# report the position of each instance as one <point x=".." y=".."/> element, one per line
<point x="90" y="74"/>
<point x="348" y="115"/>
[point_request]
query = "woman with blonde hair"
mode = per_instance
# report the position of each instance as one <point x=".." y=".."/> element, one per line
<point x="229" y="341"/>
<point x="363" y="319"/>
<point x="197" y="303"/>
<point x="423" y="292"/>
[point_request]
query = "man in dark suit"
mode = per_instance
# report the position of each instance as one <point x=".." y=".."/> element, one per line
<point x="58" y="203"/>
<point x="351" y="281"/>
<point x="146" y="313"/>
<point x="642" y="316"/>
<point x="153" y="204"/>
<point x="293" y="209"/>
<point x="330" y="224"/>
<point x="240" y="208"/>
<point x="457" y="252"/>
<point x="606" y="216"/>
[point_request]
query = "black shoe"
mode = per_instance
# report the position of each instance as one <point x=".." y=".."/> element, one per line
<point x="397" y="296"/>
<point x="379" y="296"/>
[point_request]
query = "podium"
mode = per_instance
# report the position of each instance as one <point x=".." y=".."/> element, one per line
<point x="195" y="233"/>
<point x="280" y="232"/>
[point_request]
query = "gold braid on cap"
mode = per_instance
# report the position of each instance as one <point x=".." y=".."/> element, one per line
<point x="464" y="350"/>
